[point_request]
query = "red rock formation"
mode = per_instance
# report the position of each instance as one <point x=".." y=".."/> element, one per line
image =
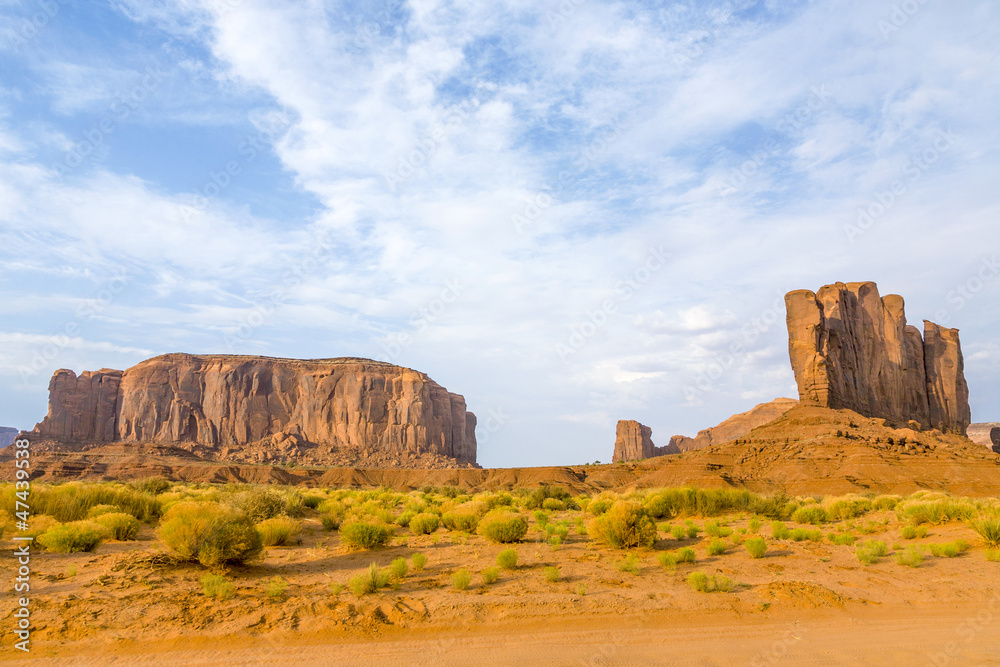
<point x="986" y="434"/>
<point x="224" y="401"/>
<point x="852" y="349"/>
<point x="634" y="442"/>
<point x="736" y="426"/>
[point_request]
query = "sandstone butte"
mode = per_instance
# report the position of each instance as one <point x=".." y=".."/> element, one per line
<point x="852" y="349"/>
<point x="736" y="426"/>
<point x="634" y="442"/>
<point x="228" y="402"/>
<point x="7" y="436"/>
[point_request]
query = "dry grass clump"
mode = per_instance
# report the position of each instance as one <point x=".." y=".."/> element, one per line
<point x="625" y="526"/>
<point x="504" y="527"/>
<point x="507" y="559"/>
<point x="869" y="551"/>
<point x="365" y="535"/>
<point x="717" y="547"/>
<point x="490" y="574"/>
<point x="551" y="574"/>
<point x="210" y="533"/>
<point x="810" y="514"/>
<point x="119" y="525"/>
<point x="424" y="523"/>
<point x="73" y="500"/>
<point x="987" y="526"/>
<point x="419" y="561"/>
<point x="461" y="579"/>
<point x="629" y="564"/>
<point x="704" y="583"/>
<point x="949" y="549"/>
<point x="217" y="586"/>
<point x="913" y="556"/>
<point x="911" y="532"/>
<point x="756" y="547"/>
<point x="71" y="537"/>
<point x="279" y="530"/>
<point x="370" y="581"/>
<point x="398" y="568"/>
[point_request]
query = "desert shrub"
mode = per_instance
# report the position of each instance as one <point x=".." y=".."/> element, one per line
<point x="717" y="547"/>
<point x="503" y="527"/>
<point x="779" y="531"/>
<point x="581" y="589"/>
<point x="692" y="531"/>
<point x="553" y="504"/>
<point x="626" y="525"/>
<point x="678" y="532"/>
<point x="910" y="532"/>
<point x="98" y="510"/>
<point x="685" y="555"/>
<point x="461" y="579"/>
<point x="629" y="564"/>
<point x="119" y="525"/>
<point x="365" y="535"/>
<point x="311" y="500"/>
<point x="802" y="534"/>
<point x="551" y="574"/>
<point x="881" y="503"/>
<point x="756" y="547"/>
<point x="460" y="521"/>
<point x="209" y="533"/>
<point x="934" y="513"/>
<point x="279" y="530"/>
<point x="369" y="581"/>
<point x="659" y="506"/>
<point x="73" y="500"/>
<point x="754" y="525"/>
<point x="495" y="500"/>
<point x="987" y="527"/>
<point x="216" y="586"/>
<point x="331" y="521"/>
<point x="713" y="529"/>
<point x="949" y="549"/>
<point x="419" y="561"/>
<point x="490" y="574"/>
<point x="869" y="551"/>
<point x="699" y="581"/>
<point x="37" y="525"/>
<point x="993" y="555"/>
<point x="541" y="518"/>
<point x="399" y="568"/>
<point x="71" y="537"/>
<point x="667" y="559"/>
<point x="537" y="497"/>
<point x="810" y="514"/>
<point x="844" y="539"/>
<point x="293" y="503"/>
<point x="842" y="510"/>
<point x="259" y="504"/>
<point x="424" y="523"/>
<point x="507" y="559"/>
<point x="598" y="507"/>
<point x="913" y="556"/>
<point x="723" y="584"/>
<point x="153" y="486"/>
<point x="275" y="587"/>
<point x="403" y="520"/>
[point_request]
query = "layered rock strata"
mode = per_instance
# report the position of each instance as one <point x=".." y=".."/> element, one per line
<point x="736" y="426"/>
<point x="232" y="402"/>
<point x="852" y="349"/>
<point x="634" y="442"/>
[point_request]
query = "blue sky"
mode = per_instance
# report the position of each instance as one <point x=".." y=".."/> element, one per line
<point x="571" y="213"/>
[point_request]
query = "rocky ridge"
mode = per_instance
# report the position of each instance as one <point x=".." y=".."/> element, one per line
<point x="852" y="349"/>
<point x="633" y="442"/>
<point x="258" y="409"/>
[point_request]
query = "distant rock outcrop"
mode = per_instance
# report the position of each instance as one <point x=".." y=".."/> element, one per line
<point x="231" y="402"/>
<point x="634" y="442"/>
<point x="987" y="435"/>
<point x="851" y="349"/>
<point x="736" y="426"/>
<point x="7" y="436"/>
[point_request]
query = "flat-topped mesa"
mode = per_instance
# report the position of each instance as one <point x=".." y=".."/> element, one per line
<point x="851" y="349"/>
<point x="232" y="401"/>
<point x="634" y="442"/>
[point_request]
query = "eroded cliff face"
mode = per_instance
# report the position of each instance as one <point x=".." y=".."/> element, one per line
<point x="736" y="426"/>
<point x="634" y="442"/>
<point x="225" y="401"/>
<point x="852" y="349"/>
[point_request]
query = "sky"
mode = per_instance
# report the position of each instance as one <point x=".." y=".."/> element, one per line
<point x="569" y="212"/>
